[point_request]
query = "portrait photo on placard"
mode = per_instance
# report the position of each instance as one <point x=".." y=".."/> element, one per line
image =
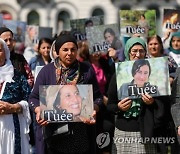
<point x="66" y="103"/>
<point x="78" y="26"/>
<point x="171" y="21"/>
<point x="101" y="38"/>
<point x="135" y="78"/>
<point x="141" y="23"/>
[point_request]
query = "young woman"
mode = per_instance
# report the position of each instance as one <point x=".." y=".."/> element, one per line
<point x="116" y="50"/>
<point x="43" y="57"/>
<point x="69" y="99"/>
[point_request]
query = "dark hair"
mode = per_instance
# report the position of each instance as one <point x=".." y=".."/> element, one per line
<point x="88" y="22"/>
<point x="83" y="50"/>
<point x="5" y="29"/>
<point x="138" y="64"/>
<point x="159" y="41"/>
<point x="44" y="40"/>
<point x="143" y="16"/>
<point x="109" y="30"/>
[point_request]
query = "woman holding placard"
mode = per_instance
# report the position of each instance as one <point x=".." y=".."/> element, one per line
<point x="136" y="119"/>
<point x="66" y="70"/>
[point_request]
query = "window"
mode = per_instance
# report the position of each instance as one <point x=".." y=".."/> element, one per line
<point x="98" y="12"/>
<point x="63" y="21"/>
<point x="33" y="18"/>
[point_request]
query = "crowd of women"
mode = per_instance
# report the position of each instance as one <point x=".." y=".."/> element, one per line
<point x="66" y="61"/>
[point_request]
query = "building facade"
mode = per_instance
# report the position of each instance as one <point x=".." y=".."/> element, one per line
<point x="57" y="13"/>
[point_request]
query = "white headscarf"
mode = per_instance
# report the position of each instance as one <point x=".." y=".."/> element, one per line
<point x="7" y="70"/>
<point x="51" y="51"/>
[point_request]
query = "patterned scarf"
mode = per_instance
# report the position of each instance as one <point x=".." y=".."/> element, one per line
<point x="68" y="75"/>
<point x="135" y="108"/>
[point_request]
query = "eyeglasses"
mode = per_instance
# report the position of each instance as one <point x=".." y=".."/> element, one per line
<point x="135" y="51"/>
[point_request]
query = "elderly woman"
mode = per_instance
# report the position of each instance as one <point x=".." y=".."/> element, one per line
<point x="156" y="49"/>
<point x="137" y="119"/>
<point x="174" y="47"/>
<point x="65" y="70"/>
<point x="14" y="111"/>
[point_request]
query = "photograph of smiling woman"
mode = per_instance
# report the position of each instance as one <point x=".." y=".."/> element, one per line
<point x="140" y="77"/>
<point x="69" y="100"/>
<point x="66" y="103"/>
<point x="141" y="71"/>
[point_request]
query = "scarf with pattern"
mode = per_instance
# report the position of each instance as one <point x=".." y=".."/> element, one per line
<point x="68" y="75"/>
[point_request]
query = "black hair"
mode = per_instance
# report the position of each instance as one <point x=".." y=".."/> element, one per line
<point x="46" y="40"/>
<point x="88" y="22"/>
<point x="5" y="29"/>
<point x="109" y="30"/>
<point x="143" y="16"/>
<point x="138" y="64"/>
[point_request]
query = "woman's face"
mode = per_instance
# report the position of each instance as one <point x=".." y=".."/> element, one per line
<point x="68" y="53"/>
<point x="70" y="99"/>
<point x="8" y="38"/>
<point x="95" y="56"/>
<point x="108" y="37"/>
<point x="141" y="76"/>
<point x="154" y="48"/>
<point x="175" y="43"/>
<point x="137" y="52"/>
<point x="45" y="49"/>
<point x="32" y="32"/>
<point x="2" y="55"/>
<point x="142" y="17"/>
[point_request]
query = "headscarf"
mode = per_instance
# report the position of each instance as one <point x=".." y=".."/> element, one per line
<point x="176" y="34"/>
<point x="68" y="75"/>
<point x="130" y="43"/>
<point x="64" y="38"/>
<point x="5" y="29"/>
<point x="7" y="70"/>
<point x="51" y="51"/>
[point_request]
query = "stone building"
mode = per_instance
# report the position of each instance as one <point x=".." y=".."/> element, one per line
<point x="57" y="13"/>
